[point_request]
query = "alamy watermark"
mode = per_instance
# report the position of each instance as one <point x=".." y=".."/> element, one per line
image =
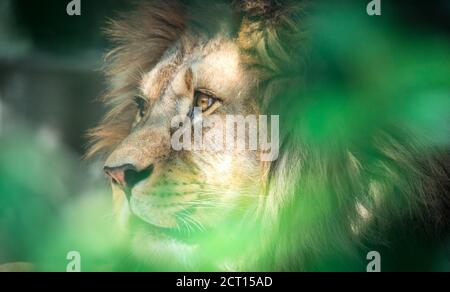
<point x="74" y="262"/>
<point x="374" y="8"/>
<point x="233" y="132"/>
<point x="374" y="265"/>
<point x="74" y="8"/>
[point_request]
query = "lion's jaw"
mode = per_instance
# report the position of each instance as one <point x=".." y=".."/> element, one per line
<point x="191" y="195"/>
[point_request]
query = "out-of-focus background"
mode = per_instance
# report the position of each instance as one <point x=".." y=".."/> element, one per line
<point x="50" y="77"/>
<point x="50" y="64"/>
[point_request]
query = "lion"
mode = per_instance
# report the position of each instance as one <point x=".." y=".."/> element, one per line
<point x="318" y="206"/>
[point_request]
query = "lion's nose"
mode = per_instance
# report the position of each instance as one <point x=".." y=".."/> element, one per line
<point x="127" y="176"/>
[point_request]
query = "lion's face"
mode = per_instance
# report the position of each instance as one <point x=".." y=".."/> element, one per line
<point x="167" y="198"/>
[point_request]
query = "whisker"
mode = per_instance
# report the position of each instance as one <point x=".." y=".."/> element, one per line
<point x="184" y="227"/>
<point x="195" y="223"/>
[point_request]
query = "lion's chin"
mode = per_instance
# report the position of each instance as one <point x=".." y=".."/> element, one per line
<point x="161" y="232"/>
<point x="160" y="247"/>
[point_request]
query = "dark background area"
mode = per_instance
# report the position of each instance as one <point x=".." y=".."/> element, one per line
<point x="50" y="64"/>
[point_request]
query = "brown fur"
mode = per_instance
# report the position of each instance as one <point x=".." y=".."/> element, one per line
<point x="141" y="38"/>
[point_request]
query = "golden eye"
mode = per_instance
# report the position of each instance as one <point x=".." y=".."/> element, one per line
<point x="206" y="101"/>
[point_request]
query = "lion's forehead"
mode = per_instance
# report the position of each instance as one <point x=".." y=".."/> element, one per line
<point x="215" y="65"/>
<point x="155" y="82"/>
